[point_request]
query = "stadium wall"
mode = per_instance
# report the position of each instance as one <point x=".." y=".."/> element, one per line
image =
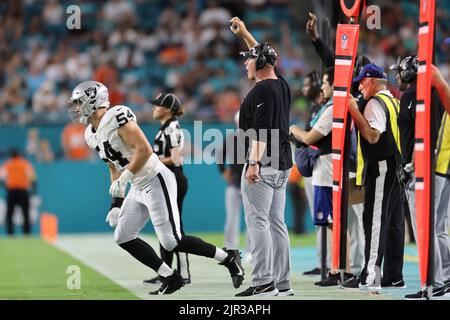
<point x="77" y="191"/>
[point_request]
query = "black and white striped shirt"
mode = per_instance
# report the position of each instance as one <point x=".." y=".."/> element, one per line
<point x="168" y="136"/>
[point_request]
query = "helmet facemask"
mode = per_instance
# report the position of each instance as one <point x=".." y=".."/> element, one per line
<point x="76" y="111"/>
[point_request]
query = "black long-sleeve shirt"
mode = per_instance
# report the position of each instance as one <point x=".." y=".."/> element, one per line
<point x="324" y="52"/>
<point x="407" y="121"/>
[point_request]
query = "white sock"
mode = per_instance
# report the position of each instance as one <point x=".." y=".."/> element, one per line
<point x="220" y="255"/>
<point x="164" y="270"/>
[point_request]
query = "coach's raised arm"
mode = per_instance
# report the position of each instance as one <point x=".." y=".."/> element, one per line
<point x="237" y="26"/>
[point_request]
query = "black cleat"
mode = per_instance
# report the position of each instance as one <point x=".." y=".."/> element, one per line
<point x="313" y="272"/>
<point x="155" y="280"/>
<point x="264" y="290"/>
<point x="169" y="285"/>
<point x="233" y="263"/>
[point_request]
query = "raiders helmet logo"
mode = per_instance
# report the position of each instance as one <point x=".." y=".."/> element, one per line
<point x="91" y="92"/>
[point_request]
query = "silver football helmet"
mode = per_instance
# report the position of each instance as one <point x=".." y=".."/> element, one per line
<point x="86" y="98"/>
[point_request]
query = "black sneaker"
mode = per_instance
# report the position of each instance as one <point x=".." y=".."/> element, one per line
<point x="264" y="290"/>
<point x="313" y="272"/>
<point x="352" y="282"/>
<point x="447" y="289"/>
<point x="330" y="280"/>
<point x="187" y="281"/>
<point x="393" y="284"/>
<point x="286" y="293"/>
<point x="152" y="281"/>
<point x="333" y="279"/>
<point x="437" y="292"/>
<point x="170" y="284"/>
<point x="233" y="263"/>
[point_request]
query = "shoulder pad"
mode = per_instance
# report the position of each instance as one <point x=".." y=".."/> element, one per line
<point x="119" y="115"/>
<point x="90" y="138"/>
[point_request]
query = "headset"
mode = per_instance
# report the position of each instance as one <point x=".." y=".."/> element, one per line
<point x="261" y="59"/>
<point x="408" y="69"/>
<point x="266" y="54"/>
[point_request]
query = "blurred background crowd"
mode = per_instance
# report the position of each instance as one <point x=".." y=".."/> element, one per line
<point x="138" y="48"/>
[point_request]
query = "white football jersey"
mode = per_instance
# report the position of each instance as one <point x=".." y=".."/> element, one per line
<point x="111" y="148"/>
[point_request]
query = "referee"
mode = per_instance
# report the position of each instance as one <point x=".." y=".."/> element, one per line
<point x="168" y="145"/>
<point x="265" y="109"/>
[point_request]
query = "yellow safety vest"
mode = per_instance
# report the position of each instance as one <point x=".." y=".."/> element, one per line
<point x="393" y="107"/>
<point x="443" y="147"/>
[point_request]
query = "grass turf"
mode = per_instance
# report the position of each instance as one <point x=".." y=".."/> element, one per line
<point x="30" y="268"/>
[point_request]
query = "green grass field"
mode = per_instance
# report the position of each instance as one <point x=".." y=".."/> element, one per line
<point x="30" y="268"/>
<point x="34" y="269"/>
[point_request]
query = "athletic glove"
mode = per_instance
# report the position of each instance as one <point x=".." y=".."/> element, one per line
<point x="113" y="215"/>
<point x="119" y="186"/>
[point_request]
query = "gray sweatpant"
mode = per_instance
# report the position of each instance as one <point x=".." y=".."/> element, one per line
<point x="441" y="238"/>
<point x="442" y="200"/>
<point x="264" y="205"/>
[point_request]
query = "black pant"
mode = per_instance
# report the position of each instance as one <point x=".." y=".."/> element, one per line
<point x="384" y="224"/>
<point x="18" y="197"/>
<point x="182" y="187"/>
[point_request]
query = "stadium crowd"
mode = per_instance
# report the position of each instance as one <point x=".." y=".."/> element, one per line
<point x="138" y="48"/>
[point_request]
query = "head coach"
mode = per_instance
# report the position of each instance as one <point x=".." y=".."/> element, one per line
<point x="265" y="112"/>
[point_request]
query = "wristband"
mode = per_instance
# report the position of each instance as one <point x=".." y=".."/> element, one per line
<point x="116" y="202"/>
<point x="126" y="175"/>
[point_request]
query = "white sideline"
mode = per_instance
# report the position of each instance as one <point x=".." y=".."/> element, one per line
<point x="99" y="252"/>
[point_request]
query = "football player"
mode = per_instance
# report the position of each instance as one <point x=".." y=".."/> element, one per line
<point x="114" y="133"/>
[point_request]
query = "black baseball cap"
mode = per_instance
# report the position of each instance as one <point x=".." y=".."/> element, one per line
<point x="168" y="100"/>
